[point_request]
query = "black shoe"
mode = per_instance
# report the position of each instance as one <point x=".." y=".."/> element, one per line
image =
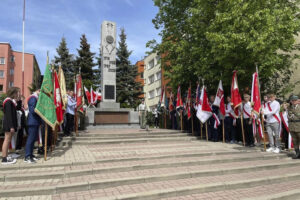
<point x="297" y="155"/>
<point x="8" y="161"/>
<point x="41" y="151"/>
<point x="251" y="145"/>
<point x="29" y="160"/>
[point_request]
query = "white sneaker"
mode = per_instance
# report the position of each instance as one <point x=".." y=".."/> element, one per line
<point x="270" y="150"/>
<point x="14" y="155"/>
<point x="277" y="150"/>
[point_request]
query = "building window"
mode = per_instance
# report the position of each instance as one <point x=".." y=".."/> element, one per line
<point x="1" y="88"/>
<point x="151" y="79"/>
<point x="2" y="61"/>
<point x="11" y="71"/>
<point x="157" y="59"/>
<point x="142" y="74"/>
<point x="12" y="59"/>
<point x="158" y="91"/>
<point x="1" y="74"/>
<point x="151" y="64"/>
<point x="11" y="84"/>
<point x="158" y="75"/>
<point x="151" y="94"/>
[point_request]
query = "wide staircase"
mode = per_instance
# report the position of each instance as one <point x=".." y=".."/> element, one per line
<point x="156" y="164"/>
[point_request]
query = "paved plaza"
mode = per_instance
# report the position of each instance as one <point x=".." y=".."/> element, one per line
<point x="156" y="164"/>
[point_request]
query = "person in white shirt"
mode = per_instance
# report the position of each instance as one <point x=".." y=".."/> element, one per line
<point x="272" y="119"/>
<point x="247" y="120"/>
<point x="70" y="113"/>
<point x="142" y="114"/>
<point x="155" y="113"/>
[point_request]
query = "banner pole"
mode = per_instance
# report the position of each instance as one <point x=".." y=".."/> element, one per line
<point x="46" y="137"/>
<point x="206" y="131"/>
<point x="181" y="120"/>
<point x="201" y="135"/>
<point x="223" y="127"/>
<point x="263" y="131"/>
<point x="243" y="132"/>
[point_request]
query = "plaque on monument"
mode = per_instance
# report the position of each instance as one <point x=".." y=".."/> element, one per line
<point x="109" y="92"/>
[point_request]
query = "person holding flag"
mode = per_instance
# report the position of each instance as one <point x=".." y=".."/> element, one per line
<point x="230" y="131"/>
<point x="214" y="121"/>
<point x="70" y="113"/>
<point x="247" y="121"/>
<point x="219" y="102"/>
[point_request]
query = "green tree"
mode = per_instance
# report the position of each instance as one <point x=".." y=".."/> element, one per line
<point x="128" y="90"/>
<point x="85" y="62"/>
<point x="208" y="39"/>
<point x="66" y="60"/>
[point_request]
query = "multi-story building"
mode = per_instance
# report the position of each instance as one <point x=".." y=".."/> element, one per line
<point x="153" y="82"/>
<point x="11" y="70"/>
<point x="140" y="77"/>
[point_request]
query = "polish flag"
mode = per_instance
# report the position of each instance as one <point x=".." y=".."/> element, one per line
<point x="188" y="103"/>
<point x="255" y="96"/>
<point x="58" y="101"/>
<point x="204" y="111"/>
<point x="219" y="100"/>
<point x="236" y="99"/>
<point x="179" y="104"/>
<point x="88" y="94"/>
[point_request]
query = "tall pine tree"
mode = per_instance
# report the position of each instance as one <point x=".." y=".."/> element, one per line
<point x="128" y="90"/>
<point x="85" y="62"/>
<point x="66" y="61"/>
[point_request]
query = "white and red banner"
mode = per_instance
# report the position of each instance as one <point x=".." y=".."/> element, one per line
<point x="188" y="103"/>
<point x="179" y="104"/>
<point x="284" y="118"/>
<point x="79" y="94"/>
<point x="255" y="94"/>
<point x="204" y="111"/>
<point x="58" y="101"/>
<point x="87" y="94"/>
<point x="219" y="100"/>
<point x="162" y="97"/>
<point x="236" y="99"/>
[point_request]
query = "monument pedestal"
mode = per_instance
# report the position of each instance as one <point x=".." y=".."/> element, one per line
<point x="105" y="117"/>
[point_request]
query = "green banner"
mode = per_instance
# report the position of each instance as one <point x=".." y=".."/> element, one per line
<point x="45" y="107"/>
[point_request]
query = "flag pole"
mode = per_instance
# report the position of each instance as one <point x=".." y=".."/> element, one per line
<point x="201" y="135"/>
<point x="206" y="131"/>
<point x="262" y="117"/>
<point x="223" y="130"/>
<point x="243" y="132"/>
<point x="192" y="118"/>
<point x="46" y="137"/>
<point x="181" y="122"/>
<point x="23" y="47"/>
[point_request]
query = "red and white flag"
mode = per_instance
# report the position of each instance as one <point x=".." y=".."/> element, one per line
<point x="284" y="119"/>
<point x="198" y="92"/>
<point x="204" y="111"/>
<point x="79" y="94"/>
<point x="58" y="101"/>
<point x="171" y="105"/>
<point x="219" y="100"/>
<point x="162" y="97"/>
<point x="236" y="99"/>
<point x="87" y="94"/>
<point x="255" y="95"/>
<point x="188" y="103"/>
<point x="179" y="103"/>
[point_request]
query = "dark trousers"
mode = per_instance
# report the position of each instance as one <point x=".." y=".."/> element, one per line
<point x="70" y="124"/>
<point x="248" y="132"/>
<point x="156" y="121"/>
<point x="19" y="142"/>
<point x="238" y="130"/>
<point x="229" y="129"/>
<point x="32" y="137"/>
<point x="212" y="132"/>
<point x="285" y="137"/>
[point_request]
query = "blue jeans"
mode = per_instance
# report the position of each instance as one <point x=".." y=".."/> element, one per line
<point x="32" y="137"/>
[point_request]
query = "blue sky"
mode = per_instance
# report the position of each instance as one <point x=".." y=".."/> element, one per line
<point x="48" y="20"/>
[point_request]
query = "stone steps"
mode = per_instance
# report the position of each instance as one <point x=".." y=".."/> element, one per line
<point x="127" y="166"/>
<point x="165" y="167"/>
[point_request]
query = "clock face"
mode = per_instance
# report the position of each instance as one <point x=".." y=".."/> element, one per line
<point x="109" y="39"/>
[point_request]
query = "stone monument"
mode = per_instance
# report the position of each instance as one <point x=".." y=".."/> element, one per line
<point x="109" y="113"/>
<point x="108" y="65"/>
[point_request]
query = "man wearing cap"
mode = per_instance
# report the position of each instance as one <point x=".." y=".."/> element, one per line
<point x="294" y="123"/>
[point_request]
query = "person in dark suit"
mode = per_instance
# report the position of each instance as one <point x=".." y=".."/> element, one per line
<point x="23" y="128"/>
<point x="10" y="123"/>
<point x="33" y="123"/>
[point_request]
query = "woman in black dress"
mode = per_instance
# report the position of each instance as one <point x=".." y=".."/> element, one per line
<point x="10" y="124"/>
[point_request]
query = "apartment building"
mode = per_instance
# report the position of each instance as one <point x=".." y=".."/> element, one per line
<point x="140" y="77"/>
<point x="11" y="69"/>
<point x="153" y="80"/>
